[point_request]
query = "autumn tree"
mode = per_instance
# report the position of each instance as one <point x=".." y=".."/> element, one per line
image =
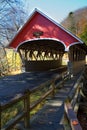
<point x="12" y="17"/>
<point x="76" y="22"/>
<point x="83" y="35"/>
<point x="72" y="26"/>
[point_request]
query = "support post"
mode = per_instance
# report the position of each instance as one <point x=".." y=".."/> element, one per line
<point x="27" y="109"/>
<point x="70" y="66"/>
<point x="53" y="88"/>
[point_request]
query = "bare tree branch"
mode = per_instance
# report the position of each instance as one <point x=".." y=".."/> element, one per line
<point x="12" y="16"/>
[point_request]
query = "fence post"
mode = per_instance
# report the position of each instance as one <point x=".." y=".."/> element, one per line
<point x="53" y="88"/>
<point x="62" y="80"/>
<point x="27" y="109"/>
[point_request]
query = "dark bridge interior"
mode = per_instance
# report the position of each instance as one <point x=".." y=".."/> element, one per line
<point x="41" y="54"/>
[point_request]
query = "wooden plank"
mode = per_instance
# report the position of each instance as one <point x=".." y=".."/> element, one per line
<point x="72" y="117"/>
<point x="12" y="102"/>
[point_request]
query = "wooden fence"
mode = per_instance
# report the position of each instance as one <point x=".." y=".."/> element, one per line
<point x="71" y="102"/>
<point x="25" y="114"/>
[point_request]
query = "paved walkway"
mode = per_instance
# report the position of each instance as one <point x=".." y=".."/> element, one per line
<point x="11" y="86"/>
<point x="51" y="116"/>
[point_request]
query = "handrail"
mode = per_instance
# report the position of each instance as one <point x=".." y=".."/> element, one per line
<point x="75" y="125"/>
<point x="69" y="106"/>
<point x="27" y="106"/>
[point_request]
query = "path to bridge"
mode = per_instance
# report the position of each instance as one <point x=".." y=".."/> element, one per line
<point x="11" y="86"/>
<point x="51" y="116"/>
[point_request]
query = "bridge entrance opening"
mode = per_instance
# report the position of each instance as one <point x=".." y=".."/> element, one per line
<point x="41" y="54"/>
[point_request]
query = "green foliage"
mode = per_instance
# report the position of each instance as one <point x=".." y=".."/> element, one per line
<point x="3" y="61"/>
<point x="14" y="60"/>
<point x="11" y="112"/>
<point x="83" y="36"/>
<point x="10" y="61"/>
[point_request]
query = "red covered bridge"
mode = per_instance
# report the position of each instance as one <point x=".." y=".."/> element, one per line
<point x="42" y="42"/>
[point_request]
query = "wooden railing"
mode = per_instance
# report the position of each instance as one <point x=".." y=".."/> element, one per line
<point x="70" y="104"/>
<point x="71" y="115"/>
<point x="25" y="114"/>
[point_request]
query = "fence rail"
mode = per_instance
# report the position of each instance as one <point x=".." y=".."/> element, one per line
<point x="70" y="104"/>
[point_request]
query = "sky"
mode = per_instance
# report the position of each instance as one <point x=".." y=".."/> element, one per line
<point x="58" y="10"/>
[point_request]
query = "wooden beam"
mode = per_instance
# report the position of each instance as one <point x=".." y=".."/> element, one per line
<point x="75" y="125"/>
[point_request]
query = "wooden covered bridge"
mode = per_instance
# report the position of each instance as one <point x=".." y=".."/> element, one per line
<point x="42" y="43"/>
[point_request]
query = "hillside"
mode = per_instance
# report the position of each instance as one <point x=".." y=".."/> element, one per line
<point x="76" y="22"/>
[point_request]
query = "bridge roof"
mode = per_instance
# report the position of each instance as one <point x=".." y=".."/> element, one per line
<point x="40" y="26"/>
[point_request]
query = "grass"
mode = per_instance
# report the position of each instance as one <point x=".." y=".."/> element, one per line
<point x="10" y="113"/>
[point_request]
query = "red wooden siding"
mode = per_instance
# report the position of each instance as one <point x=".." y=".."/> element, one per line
<point x="39" y="22"/>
